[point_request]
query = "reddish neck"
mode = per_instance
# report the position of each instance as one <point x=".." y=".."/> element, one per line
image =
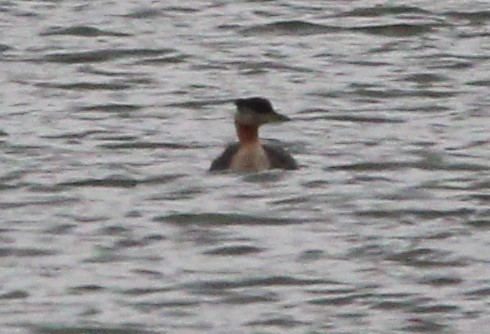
<point x="247" y="134"/>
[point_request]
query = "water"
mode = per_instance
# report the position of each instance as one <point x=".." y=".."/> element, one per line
<point x="112" y="111"/>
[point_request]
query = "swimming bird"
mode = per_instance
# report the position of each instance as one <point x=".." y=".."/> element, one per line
<point x="248" y="154"/>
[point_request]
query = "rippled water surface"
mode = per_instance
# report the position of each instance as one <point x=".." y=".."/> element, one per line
<point x="111" y="112"/>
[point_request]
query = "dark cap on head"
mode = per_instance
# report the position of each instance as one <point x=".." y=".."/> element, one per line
<point x="257" y="104"/>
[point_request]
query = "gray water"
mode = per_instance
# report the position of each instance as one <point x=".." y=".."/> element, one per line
<point x="111" y="112"/>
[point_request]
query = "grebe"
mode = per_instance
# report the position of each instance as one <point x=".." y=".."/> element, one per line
<point x="249" y="154"/>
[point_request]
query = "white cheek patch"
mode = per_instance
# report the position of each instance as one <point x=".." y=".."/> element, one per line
<point x="246" y="116"/>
